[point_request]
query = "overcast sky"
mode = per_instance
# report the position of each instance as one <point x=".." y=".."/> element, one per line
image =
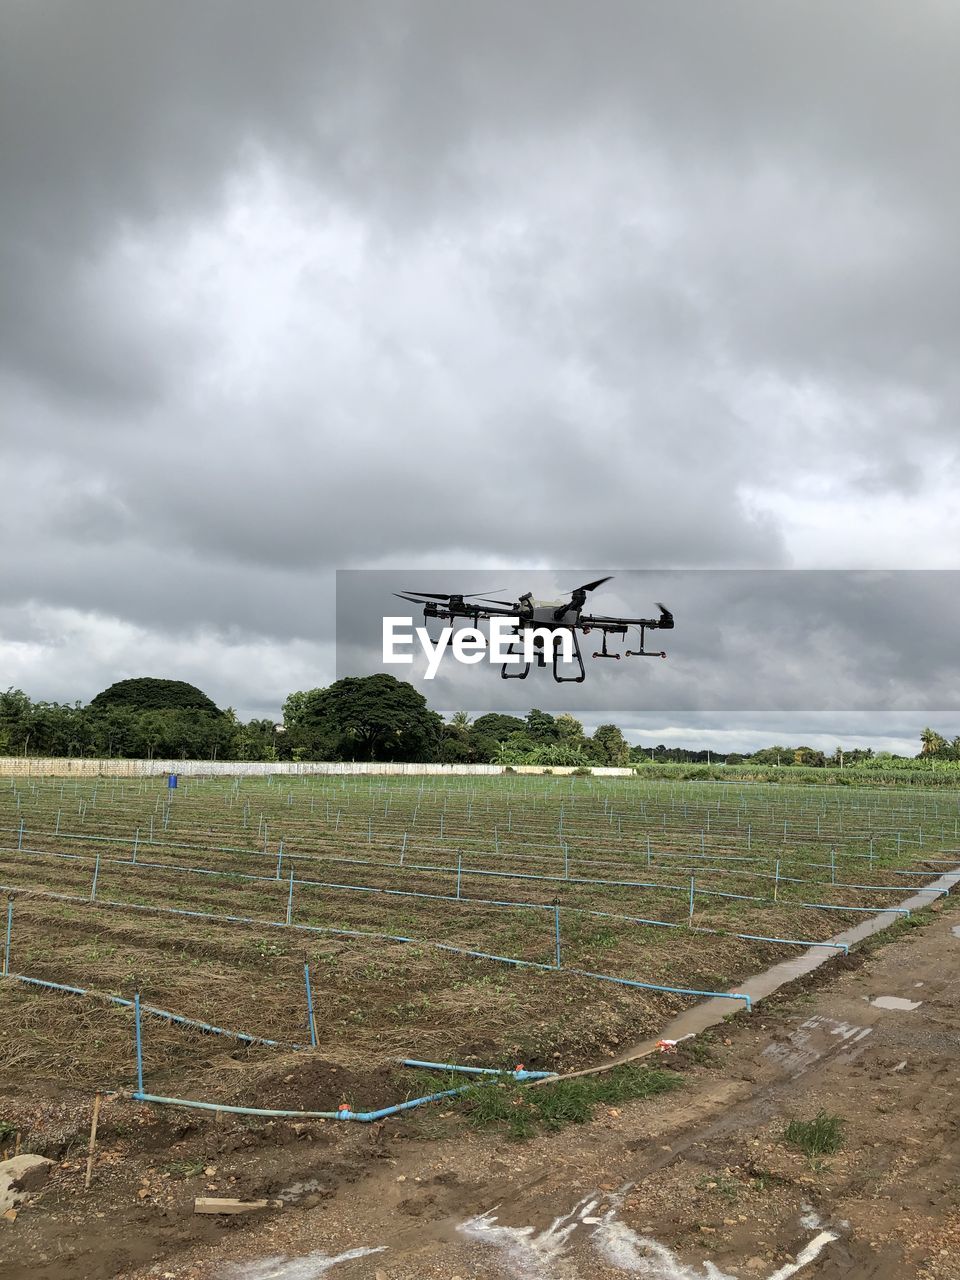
<point x="304" y="286"/>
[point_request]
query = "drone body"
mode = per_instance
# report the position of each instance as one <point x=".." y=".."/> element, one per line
<point x="541" y="618"/>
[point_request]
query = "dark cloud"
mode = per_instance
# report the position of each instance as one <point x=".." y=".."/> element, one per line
<point x="303" y="286"/>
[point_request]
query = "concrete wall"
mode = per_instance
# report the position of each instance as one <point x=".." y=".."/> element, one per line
<point x="36" y="766"/>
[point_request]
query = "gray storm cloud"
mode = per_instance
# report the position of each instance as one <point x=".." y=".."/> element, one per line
<point x="301" y="287"/>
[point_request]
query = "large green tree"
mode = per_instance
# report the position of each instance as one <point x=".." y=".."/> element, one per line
<point x="368" y="718"/>
<point x="148" y="693"/>
<point x="569" y="730"/>
<point x="609" y="747"/>
<point x="151" y="717"/>
<point x="541" y="726"/>
<point x="490" y="732"/>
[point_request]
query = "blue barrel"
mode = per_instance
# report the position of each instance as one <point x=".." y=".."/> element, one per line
<point x="172" y="780"/>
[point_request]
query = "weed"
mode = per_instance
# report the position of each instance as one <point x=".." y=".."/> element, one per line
<point x="823" y="1135"/>
<point x="524" y="1110"/>
<point x="726" y="1187"/>
<point x="184" y="1168"/>
<point x="700" y="1049"/>
<point x="266" y="950"/>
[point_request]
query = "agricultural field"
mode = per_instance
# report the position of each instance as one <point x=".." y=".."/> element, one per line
<point x="336" y="925"/>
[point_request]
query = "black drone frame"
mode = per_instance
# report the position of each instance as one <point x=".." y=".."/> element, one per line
<point x="568" y="616"/>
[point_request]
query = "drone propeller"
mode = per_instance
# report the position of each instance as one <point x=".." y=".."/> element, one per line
<point x="428" y="597"/>
<point x="663" y="609"/>
<point x="590" y="586"/>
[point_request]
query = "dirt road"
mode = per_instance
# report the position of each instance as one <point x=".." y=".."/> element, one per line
<point x="693" y="1185"/>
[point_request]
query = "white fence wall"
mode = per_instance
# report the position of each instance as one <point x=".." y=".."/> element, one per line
<point x="42" y="766"/>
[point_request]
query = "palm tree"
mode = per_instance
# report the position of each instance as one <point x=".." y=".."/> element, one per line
<point x="934" y="744"/>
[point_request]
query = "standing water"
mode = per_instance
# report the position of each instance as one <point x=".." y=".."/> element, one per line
<point x="709" y="1013"/>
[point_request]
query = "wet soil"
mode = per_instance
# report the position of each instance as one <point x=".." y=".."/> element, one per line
<point x="702" y="1176"/>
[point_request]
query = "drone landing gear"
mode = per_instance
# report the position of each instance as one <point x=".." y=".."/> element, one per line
<point x="578" y="661"/>
<point x="524" y="671"/>
<point x="541" y="661"/>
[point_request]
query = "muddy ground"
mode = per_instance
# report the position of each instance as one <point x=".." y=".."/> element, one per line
<point x="695" y="1185"/>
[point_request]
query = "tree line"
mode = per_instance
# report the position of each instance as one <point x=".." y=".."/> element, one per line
<point x="364" y="718"/>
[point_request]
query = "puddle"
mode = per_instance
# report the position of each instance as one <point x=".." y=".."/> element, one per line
<point x="297" y="1190"/>
<point x="893" y="1002"/>
<point x="709" y="1013"/>
<point x="956" y="930"/>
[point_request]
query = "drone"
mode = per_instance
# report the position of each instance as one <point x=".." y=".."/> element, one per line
<point x="566" y="614"/>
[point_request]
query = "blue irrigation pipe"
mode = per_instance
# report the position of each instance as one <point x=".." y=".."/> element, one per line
<point x="220" y="918"/>
<point x="410" y="893"/>
<point x="447" y="946"/>
<point x="526" y="875"/>
<point x="532" y="906"/>
<point x="502" y="875"/>
<point x="138" y="1040"/>
<point x="518" y="1073"/>
<point x="238" y="875"/>
<point x="873" y="911"/>
<point x="365" y="1117"/>
<point x="6" y="944"/>
<point x="393" y="937"/>
<point x="310" y="884"/>
<point x="513" y="853"/>
<point x="310" y="1019"/>
<point x="153" y="1010"/>
<point x="653" y="986"/>
<point x="688" y="858"/>
<point x="720" y="933"/>
<point x="790" y="942"/>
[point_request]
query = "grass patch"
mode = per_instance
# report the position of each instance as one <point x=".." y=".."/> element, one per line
<point x="525" y="1111"/>
<point x="723" y="1186"/>
<point x="821" y="1136"/>
<point x="185" y="1168"/>
<point x="700" y="1049"/>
